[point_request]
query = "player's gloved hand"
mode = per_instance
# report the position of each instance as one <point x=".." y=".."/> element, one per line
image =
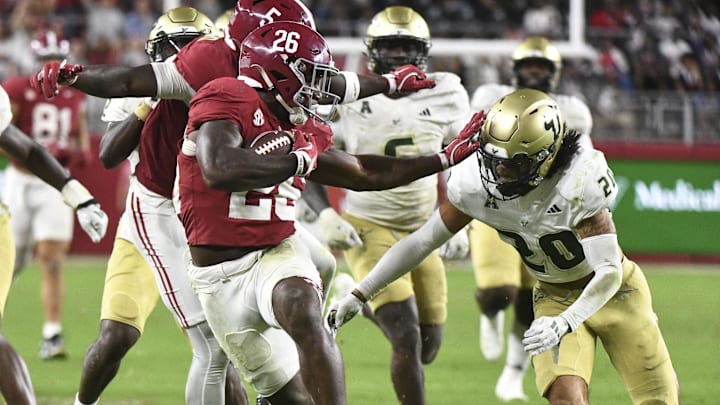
<point x="457" y="247"/>
<point x="55" y="74"/>
<point x="93" y="220"/>
<point x="337" y="232"/>
<point x="343" y="311"/>
<point x="305" y="151"/>
<point x="407" y="79"/>
<point x="465" y="144"/>
<point x="91" y="217"/>
<point x="544" y="334"/>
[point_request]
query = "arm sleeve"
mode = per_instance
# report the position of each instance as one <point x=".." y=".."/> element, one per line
<point x="405" y="255"/>
<point x="170" y="83"/>
<point x="602" y="253"/>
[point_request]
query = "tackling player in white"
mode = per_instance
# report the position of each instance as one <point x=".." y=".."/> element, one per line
<point x="499" y="277"/>
<point x="534" y="183"/>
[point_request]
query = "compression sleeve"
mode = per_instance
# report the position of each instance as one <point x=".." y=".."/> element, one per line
<point x="170" y="83"/>
<point x="603" y="254"/>
<point x="405" y="255"/>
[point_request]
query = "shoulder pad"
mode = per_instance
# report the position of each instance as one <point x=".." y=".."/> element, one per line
<point x="588" y="184"/>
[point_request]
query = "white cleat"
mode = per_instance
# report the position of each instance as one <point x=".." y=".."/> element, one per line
<point x="491" y="336"/>
<point x="510" y="385"/>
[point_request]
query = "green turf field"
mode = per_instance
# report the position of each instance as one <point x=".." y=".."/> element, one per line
<point x="686" y="298"/>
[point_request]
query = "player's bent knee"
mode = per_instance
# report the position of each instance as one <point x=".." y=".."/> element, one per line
<point x="117" y="335"/>
<point x="124" y="309"/>
<point x="248" y="349"/>
<point x="568" y="389"/>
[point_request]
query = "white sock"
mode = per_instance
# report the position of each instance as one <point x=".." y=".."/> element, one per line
<point x="77" y="401"/>
<point x="517" y="357"/>
<point x="51" y="329"/>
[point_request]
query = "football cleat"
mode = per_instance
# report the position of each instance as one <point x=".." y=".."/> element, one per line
<point x="491" y="336"/>
<point x="53" y="348"/>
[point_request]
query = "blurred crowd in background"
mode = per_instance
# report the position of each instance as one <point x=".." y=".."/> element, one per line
<point x="655" y="76"/>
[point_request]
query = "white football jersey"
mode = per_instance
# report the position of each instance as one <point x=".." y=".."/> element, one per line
<point x="540" y="225"/>
<point x="576" y="113"/>
<point x="116" y="110"/>
<point x="418" y="124"/>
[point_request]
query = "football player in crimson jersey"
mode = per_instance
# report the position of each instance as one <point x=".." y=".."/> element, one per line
<point x="15" y="384"/>
<point x="41" y="222"/>
<point x="499" y="277"/>
<point x="412" y="311"/>
<point x="145" y="255"/>
<point x="191" y="69"/>
<point x="548" y="195"/>
<point x="251" y="270"/>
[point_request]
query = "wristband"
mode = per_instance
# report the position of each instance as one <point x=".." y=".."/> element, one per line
<point x="352" y="86"/>
<point x="444" y="162"/>
<point x="392" y="82"/>
<point x="359" y="295"/>
<point x="76" y="195"/>
<point x="143" y="110"/>
<point x="300" y="171"/>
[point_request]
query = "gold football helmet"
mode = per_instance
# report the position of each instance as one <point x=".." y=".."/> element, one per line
<point x="537" y="49"/>
<point x="222" y="22"/>
<point x="175" y="29"/>
<point x="519" y="141"/>
<point x="397" y="36"/>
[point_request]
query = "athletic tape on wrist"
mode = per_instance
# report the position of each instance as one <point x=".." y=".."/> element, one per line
<point x="76" y="195"/>
<point x="352" y="86"/>
<point x="143" y="110"/>
<point x="392" y="82"/>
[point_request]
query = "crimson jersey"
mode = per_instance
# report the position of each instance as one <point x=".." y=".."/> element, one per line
<point x="203" y="60"/>
<point x="162" y="133"/>
<point x="242" y="219"/>
<point x="51" y="123"/>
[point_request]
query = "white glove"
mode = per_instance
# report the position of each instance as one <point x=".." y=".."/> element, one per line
<point x="343" y="311"/>
<point x="457" y="247"/>
<point x="92" y="219"/>
<point x="337" y="232"/>
<point x="544" y="334"/>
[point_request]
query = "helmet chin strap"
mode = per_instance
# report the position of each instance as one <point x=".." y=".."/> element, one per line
<point x="297" y="115"/>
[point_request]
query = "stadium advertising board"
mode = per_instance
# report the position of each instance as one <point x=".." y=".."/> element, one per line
<point x="667" y="207"/>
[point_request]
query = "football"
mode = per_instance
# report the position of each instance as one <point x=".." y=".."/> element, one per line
<point x="272" y="143"/>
